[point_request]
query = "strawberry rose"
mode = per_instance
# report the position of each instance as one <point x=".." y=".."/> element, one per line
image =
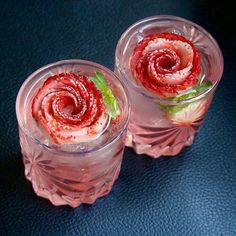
<point x="70" y="108"/>
<point x="166" y="64"/>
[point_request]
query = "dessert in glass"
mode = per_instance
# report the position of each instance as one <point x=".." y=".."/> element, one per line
<point x="72" y="118"/>
<point x="171" y="67"/>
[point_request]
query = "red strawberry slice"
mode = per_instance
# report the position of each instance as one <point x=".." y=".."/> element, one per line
<point x="166" y="64"/>
<point x="70" y="108"/>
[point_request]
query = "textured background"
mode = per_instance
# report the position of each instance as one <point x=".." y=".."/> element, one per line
<point x="191" y="194"/>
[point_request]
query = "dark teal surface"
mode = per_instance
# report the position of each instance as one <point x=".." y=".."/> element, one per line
<point x="191" y="194"/>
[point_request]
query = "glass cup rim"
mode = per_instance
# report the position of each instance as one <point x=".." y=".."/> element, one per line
<point x="59" y="63"/>
<point x="148" y="94"/>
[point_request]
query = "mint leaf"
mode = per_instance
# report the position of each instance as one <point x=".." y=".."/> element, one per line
<point x="194" y="92"/>
<point x="107" y="94"/>
<point x="204" y="87"/>
<point x="100" y="78"/>
<point x="173" y="108"/>
<point x="185" y="96"/>
<point x="99" y="82"/>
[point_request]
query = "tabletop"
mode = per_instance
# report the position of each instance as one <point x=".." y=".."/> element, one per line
<point x="193" y="193"/>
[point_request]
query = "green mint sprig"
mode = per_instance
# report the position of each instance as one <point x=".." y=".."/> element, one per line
<point x="198" y="89"/>
<point x="107" y="94"/>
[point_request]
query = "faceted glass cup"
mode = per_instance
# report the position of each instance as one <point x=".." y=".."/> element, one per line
<point x="76" y="173"/>
<point x="153" y="129"/>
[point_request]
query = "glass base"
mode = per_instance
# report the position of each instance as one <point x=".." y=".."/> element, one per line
<point x="70" y="180"/>
<point x="71" y="190"/>
<point x="159" y="141"/>
<point x="74" y="194"/>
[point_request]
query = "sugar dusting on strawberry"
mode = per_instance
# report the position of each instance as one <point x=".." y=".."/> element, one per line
<point x="165" y="64"/>
<point x="70" y="109"/>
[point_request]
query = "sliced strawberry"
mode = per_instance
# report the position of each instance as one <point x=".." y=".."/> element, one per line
<point x="165" y="64"/>
<point x="69" y="108"/>
<point x="193" y="112"/>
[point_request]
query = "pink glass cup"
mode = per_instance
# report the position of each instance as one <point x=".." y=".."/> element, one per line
<point x="152" y="129"/>
<point x="78" y="173"/>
